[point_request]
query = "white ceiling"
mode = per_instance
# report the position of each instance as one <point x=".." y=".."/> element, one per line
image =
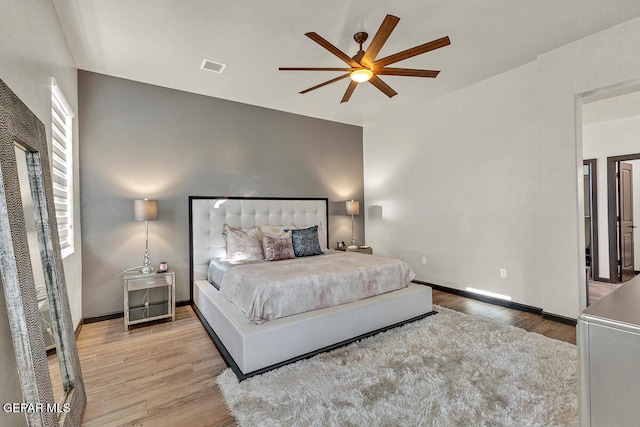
<point x="163" y="42"/>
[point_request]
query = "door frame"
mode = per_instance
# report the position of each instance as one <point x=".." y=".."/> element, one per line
<point x="612" y="212"/>
<point x="593" y="207"/>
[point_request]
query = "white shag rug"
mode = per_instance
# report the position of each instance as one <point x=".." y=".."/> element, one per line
<point x="450" y="369"/>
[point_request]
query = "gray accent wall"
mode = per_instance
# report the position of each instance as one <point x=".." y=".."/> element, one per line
<point x="139" y="140"/>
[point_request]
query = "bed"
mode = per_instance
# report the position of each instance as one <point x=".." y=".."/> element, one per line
<point x="254" y="347"/>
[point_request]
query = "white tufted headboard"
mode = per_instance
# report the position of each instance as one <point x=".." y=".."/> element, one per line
<point x="207" y="215"/>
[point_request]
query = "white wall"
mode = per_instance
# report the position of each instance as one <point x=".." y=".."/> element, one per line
<point x="488" y="177"/>
<point x="459" y="185"/>
<point x="33" y="48"/>
<point x="598" y="61"/>
<point x="606" y="139"/>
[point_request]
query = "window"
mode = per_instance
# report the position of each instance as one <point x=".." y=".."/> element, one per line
<point x="62" y="166"/>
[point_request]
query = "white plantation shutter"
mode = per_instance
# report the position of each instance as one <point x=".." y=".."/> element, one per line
<point x="61" y="163"/>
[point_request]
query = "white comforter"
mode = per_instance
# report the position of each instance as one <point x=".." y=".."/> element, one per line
<point x="270" y="290"/>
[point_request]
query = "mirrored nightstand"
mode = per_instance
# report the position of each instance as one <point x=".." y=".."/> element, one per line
<point x="142" y="303"/>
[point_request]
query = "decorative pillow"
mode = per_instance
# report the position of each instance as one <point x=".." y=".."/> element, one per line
<point x="274" y="230"/>
<point x="271" y="230"/>
<point x="322" y="235"/>
<point x="278" y="247"/>
<point x="305" y="241"/>
<point x="243" y="245"/>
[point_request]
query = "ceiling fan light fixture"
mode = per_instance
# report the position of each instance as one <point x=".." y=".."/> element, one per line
<point x="362" y="64"/>
<point x="361" y="75"/>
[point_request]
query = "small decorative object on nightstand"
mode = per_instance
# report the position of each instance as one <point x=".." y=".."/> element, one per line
<point x="140" y="310"/>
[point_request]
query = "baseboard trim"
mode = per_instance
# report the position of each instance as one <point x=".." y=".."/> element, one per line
<point x="79" y="328"/>
<point x="119" y="314"/>
<point x="560" y="319"/>
<point x="483" y="298"/>
<point x="509" y="304"/>
<point x="103" y="317"/>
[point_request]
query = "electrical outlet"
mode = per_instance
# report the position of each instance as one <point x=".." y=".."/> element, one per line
<point x="424" y="260"/>
<point x="503" y="273"/>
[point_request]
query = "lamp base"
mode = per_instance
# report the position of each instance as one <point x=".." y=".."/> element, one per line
<point x="146" y="264"/>
<point x="147" y="270"/>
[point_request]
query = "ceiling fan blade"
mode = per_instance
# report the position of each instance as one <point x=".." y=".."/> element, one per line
<point x="325" y="83"/>
<point x="331" y="48"/>
<point x="408" y="72"/>
<point x="379" y="39"/>
<point x="377" y="82"/>
<point x="350" y="89"/>
<point x="313" y="69"/>
<point x="414" y="51"/>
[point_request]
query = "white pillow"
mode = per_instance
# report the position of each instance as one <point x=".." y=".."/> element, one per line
<point x="274" y="230"/>
<point x="322" y="236"/>
<point x="241" y="245"/>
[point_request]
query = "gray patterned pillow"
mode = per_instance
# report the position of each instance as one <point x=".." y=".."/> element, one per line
<point x="305" y="241"/>
<point x="243" y="245"/>
<point x="278" y="247"/>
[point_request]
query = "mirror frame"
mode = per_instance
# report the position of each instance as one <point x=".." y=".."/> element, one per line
<point x="18" y="125"/>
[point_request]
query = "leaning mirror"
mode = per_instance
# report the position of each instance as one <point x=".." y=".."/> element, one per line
<point x="32" y="272"/>
<point x="51" y="336"/>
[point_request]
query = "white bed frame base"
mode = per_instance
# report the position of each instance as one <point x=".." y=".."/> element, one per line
<point x="251" y="349"/>
<point x="256" y="347"/>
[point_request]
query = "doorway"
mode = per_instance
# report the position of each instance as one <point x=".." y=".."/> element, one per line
<point x="608" y="127"/>
<point x="621" y="222"/>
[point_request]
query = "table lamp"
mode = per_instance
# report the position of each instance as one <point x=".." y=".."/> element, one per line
<point x="353" y="208"/>
<point x="146" y="210"/>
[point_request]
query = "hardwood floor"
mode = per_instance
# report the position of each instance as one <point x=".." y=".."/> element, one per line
<point x="599" y="290"/>
<point x="528" y="321"/>
<point x="160" y="374"/>
<point x="164" y="374"/>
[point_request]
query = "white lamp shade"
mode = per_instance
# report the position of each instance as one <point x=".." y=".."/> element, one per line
<point x="353" y="207"/>
<point x="145" y="210"/>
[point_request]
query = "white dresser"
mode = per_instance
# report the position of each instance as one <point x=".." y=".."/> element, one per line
<point x="608" y="337"/>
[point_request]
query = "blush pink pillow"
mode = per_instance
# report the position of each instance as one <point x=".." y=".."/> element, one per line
<point x="278" y="247"/>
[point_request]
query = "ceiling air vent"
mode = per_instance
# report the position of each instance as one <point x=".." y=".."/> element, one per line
<point x="216" y="67"/>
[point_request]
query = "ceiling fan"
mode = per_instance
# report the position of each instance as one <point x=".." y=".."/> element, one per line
<point x="363" y="66"/>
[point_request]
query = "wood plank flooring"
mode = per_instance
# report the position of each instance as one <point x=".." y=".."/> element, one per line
<point x="599" y="290"/>
<point x="164" y="373"/>
<point x="159" y="374"/>
<point x="505" y="316"/>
